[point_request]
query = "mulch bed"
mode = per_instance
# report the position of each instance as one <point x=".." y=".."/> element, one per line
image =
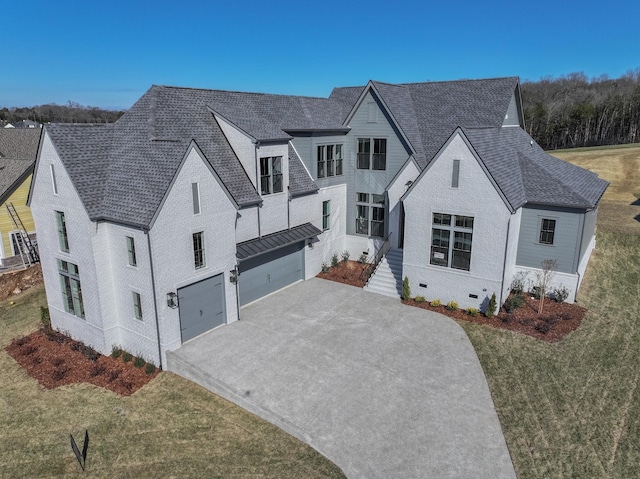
<point x="347" y="272"/>
<point x="55" y="360"/>
<point x="556" y="321"/>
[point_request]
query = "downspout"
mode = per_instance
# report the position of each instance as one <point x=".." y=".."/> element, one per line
<point x="584" y="224"/>
<point x="504" y="263"/>
<point x="255" y="153"/>
<point x="155" y="299"/>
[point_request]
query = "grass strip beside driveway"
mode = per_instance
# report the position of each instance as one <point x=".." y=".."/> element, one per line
<point x="170" y="428"/>
<point x="572" y="409"/>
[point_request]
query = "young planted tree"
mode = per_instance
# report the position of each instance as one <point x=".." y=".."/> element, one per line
<point x="543" y="280"/>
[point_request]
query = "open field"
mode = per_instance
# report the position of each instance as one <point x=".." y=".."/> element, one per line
<point x="170" y="428"/>
<point x="620" y="165"/>
<point x="572" y="409"/>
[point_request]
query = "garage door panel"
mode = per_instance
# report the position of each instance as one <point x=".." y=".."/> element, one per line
<point x="270" y="272"/>
<point x="201" y="307"/>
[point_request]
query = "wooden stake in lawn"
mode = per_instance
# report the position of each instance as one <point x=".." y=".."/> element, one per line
<point x="543" y="279"/>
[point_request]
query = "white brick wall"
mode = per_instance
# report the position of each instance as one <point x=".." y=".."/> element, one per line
<point x="476" y="197"/>
<point x="243" y="147"/>
<point x="395" y="191"/>
<point x="273" y="212"/>
<point x="308" y="208"/>
<point x="81" y="233"/>
<point x="172" y="247"/>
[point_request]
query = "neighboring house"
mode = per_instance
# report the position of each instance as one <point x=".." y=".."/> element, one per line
<point x="161" y="226"/>
<point x="25" y="124"/>
<point x="18" y="151"/>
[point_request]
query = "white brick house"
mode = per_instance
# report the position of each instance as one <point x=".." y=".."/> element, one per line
<point x="163" y="225"/>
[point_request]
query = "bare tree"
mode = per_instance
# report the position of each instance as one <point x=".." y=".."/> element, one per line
<point x="543" y="280"/>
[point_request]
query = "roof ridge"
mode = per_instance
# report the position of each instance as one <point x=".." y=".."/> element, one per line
<point x="253" y="93"/>
<point x="461" y="80"/>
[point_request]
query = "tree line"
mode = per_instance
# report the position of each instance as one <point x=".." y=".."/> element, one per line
<point x="565" y="112"/>
<point x="573" y="111"/>
<point x="52" y="113"/>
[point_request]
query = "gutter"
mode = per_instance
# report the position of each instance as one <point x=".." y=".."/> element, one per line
<point x="155" y="299"/>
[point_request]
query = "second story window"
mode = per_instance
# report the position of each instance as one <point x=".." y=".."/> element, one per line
<point x="131" y="250"/>
<point x="198" y="250"/>
<point x="271" y="175"/>
<point x="329" y="160"/>
<point x="63" y="239"/>
<point x="376" y="159"/>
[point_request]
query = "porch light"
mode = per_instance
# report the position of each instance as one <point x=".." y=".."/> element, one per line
<point x="171" y="300"/>
<point x="233" y="276"/>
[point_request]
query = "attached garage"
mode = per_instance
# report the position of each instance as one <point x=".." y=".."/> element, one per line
<point x="202" y="306"/>
<point x="272" y="262"/>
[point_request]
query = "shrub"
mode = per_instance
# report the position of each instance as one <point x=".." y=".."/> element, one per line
<point x="126" y="357"/>
<point x="57" y="361"/>
<point x="22" y="341"/>
<point x="75" y="346"/>
<point x="334" y="260"/>
<point x="45" y="317"/>
<point x="420" y="299"/>
<point x="363" y="258"/>
<point x="560" y="294"/>
<point x="150" y="368"/>
<point x="406" y="289"/>
<point x="542" y="327"/>
<point x="139" y="362"/>
<point x="59" y="374"/>
<point x="452" y="306"/>
<point x="435" y="303"/>
<point x="472" y="312"/>
<point x="490" y="311"/>
<point x="97" y="370"/>
<point x="113" y="375"/>
<point x="514" y="302"/>
<point x="517" y="286"/>
<point x="127" y="385"/>
<point x="116" y="352"/>
<point x="36" y="360"/>
<point x="89" y="353"/>
<point x="345" y="256"/>
<point x="325" y="268"/>
<point x="26" y="351"/>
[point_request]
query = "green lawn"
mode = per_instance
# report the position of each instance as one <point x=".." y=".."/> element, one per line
<point x="572" y="409"/>
<point x="170" y="428"/>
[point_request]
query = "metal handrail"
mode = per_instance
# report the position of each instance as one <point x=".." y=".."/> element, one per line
<point x="371" y="267"/>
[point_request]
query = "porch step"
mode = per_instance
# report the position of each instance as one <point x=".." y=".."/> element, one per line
<point x="387" y="279"/>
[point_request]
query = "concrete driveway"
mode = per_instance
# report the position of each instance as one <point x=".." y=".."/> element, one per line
<point x="381" y="389"/>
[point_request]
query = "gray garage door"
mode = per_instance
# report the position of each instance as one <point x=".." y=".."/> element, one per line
<point x="201" y="306"/>
<point x="270" y="272"/>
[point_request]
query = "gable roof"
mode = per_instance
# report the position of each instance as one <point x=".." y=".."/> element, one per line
<point x="429" y="112"/>
<point x="123" y="170"/>
<point x="525" y="173"/>
<point x="18" y="151"/>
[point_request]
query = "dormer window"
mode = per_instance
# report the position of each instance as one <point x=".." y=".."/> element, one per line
<point x="271" y="175"/>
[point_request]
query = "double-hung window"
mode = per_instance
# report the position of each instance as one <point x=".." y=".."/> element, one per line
<point x="547" y="231"/>
<point x="376" y="159"/>
<point x="71" y="290"/>
<point x="271" y="175"/>
<point x="370" y="214"/>
<point x="63" y="239"/>
<point x="137" y="305"/>
<point x="329" y="160"/>
<point x="326" y="215"/>
<point x="131" y="251"/>
<point x="451" y="238"/>
<point x="198" y="250"/>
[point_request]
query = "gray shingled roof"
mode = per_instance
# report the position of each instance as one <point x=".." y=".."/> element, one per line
<point x="122" y="171"/>
<point x="18" y="151"/>
<point x="300" y="183"/>
<point x="526" y="174"/>
<point x="429" y="112"/>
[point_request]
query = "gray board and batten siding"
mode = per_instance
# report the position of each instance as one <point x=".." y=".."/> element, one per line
<point x="369" y="121"/>
<point x="573" y="231"/>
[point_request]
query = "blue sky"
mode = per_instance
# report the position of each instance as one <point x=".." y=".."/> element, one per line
<point x="108" y="54"/>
